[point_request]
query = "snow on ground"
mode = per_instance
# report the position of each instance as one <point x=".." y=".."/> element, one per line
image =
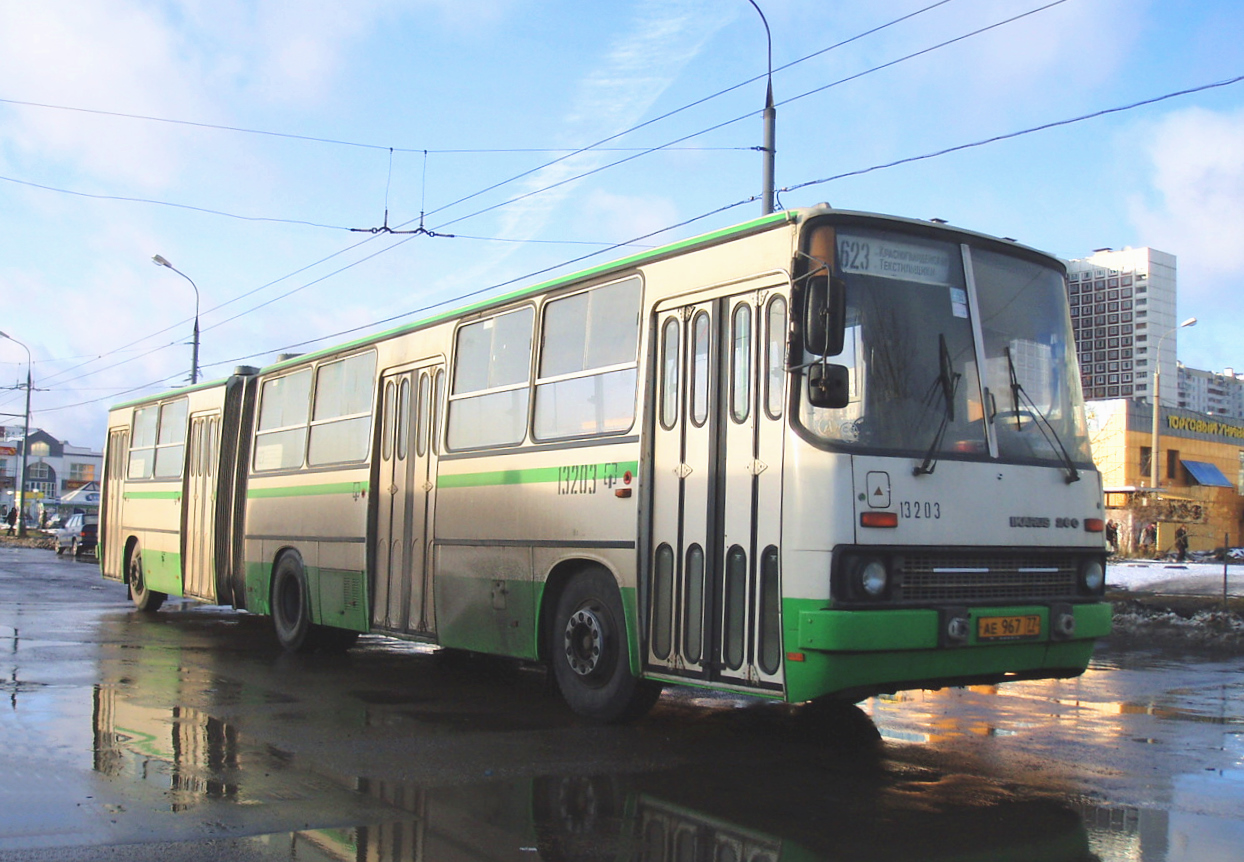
<point x="1162" y="576"/>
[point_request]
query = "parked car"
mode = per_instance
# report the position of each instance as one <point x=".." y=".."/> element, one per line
<point x="78" y="534"/>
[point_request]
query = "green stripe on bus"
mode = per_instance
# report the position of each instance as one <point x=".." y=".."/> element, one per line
<point x="153" y="495"/>
<point x="308" y="490"/>
<point x="531" y="476"/>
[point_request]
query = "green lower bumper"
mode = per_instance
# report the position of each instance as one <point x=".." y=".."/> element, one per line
<point x="858" y="653"/>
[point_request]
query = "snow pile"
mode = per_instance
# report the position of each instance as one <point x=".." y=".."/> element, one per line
<point x="1188" y="579"/>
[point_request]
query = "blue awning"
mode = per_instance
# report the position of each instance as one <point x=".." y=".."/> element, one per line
<point x="1206" y="474"/>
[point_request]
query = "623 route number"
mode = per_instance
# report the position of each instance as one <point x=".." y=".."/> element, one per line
<point x="917" y="510"/>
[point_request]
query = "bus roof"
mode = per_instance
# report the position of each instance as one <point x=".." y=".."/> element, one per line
<point x="733" y="232"/>
<point x="757" y="225"/>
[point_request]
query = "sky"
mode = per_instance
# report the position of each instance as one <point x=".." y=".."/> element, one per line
<point x="263" y="146"/>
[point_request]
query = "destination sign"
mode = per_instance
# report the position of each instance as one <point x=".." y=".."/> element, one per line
<point x="888" y="258"/>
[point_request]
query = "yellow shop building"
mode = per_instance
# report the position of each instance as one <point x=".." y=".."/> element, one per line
<point x="1200" y="461"/>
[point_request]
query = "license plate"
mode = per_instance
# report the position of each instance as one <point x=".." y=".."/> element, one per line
<point x="1008" y="628"/>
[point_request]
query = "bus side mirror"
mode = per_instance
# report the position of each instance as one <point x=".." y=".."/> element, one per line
<point x="828" y="385"/>
<point x="825" y="315"/>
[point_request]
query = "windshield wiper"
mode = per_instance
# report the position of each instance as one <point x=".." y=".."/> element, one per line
<point x="949" y="380"/>
<point x="1018" y="397"/>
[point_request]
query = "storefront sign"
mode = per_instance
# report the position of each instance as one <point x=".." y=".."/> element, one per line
<point x="1197" y="425"/>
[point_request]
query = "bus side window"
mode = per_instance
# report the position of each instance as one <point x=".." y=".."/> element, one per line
<point x="492" y="368"/>
<point x="741" y="362"/>
<point x="142" y="442"/>
<point x="341" y="424"/>
<point x="438" y="398"/>
<point x="669" y="373"/>
<point x="775" y="356"/>
<point x="701" y="338"/>
<point x="171" y="441"/>
<point x="588" y="370"/>
<point x="284" y="407"/>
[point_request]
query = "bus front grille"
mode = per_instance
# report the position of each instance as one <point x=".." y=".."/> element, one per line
<point x="987" y="578"/>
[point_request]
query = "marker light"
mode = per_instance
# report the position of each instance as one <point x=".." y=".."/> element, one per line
<point x="878" y="519"/>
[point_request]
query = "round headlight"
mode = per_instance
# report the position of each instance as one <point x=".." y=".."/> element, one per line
<point x="873" y="579"/>
<point x="1093" y="576"/>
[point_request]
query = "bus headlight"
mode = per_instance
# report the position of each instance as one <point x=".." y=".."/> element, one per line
<point x="1092" y="576"/>
<point x="872" y="578"/>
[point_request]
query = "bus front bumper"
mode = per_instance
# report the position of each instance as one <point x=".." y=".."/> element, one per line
<point x="857" y="653"/>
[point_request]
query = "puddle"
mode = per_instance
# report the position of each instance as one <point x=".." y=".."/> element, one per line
<point x="187" y="762"/>
<point x="208" y="738"/>
<point x="597" y="818"/>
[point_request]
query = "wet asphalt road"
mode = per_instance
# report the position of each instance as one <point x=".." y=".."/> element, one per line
<point x="189" y="735"/>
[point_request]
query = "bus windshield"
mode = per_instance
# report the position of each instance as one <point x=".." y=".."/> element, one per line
<point x="952" y="351"/>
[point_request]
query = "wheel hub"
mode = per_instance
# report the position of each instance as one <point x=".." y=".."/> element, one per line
<point x="583" y="640"/>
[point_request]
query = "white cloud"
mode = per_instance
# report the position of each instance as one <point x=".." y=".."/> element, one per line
<point x="112" y="56"/>
<point x="1196" y="207"/>
<point x="1193" y="207"/>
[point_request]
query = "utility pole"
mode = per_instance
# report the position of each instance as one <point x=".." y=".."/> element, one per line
<point x="770" y="127"/>
<point x="158" y="260"/>
<point x="21" y="480"/>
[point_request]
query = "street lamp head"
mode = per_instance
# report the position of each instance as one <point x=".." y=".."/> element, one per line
<point x="1191" y="321"/>
<point x="159" y="260"/>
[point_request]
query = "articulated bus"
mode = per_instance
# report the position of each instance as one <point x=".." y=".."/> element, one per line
<point x="822" y="454"/>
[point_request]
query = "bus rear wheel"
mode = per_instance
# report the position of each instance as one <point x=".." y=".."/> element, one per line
<point x="146" y="600"/>
<point x="590" y="655"/>
<point x="291" y="605"/>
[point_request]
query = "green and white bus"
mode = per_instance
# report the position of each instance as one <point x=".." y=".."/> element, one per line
<point x="822" y="454"/>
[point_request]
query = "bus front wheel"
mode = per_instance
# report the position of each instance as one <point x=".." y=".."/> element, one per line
<point x="291" y="605"/>
<point x="588" y="649"/>
<point x="145" y="600"/>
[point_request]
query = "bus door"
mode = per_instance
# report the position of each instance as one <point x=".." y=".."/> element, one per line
<point x="713" y="591"/>
<point x="199" y="510"/>
<point x="406" y="494"/>
<point x="111" y="524"/>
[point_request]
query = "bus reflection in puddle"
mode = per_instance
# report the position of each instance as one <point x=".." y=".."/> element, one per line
<point x="711" y="813"/>
<point x="523" y="820"/>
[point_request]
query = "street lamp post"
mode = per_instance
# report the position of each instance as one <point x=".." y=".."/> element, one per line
<point x="1157" y="403"/>
<point x="194" y="358"/>
<point x="770" y="123"/>
<point x="21" y="481"/>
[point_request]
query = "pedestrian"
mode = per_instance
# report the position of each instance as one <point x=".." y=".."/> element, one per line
<point x="11" y="519"/>
<point x="1112" y="536"/>
<point x="1181" y="543"/>
<point x="1148" y="537"/>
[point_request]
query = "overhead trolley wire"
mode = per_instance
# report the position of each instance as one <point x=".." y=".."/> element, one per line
<point x="310" y="138"/>
<point x="462" y="297"/>
<point x="738" y="119"/>
<point x="644" y="152"/>
<point x="527" y="276"/>
<point x="1009" y="135"/>
<point x="598" y="146"/>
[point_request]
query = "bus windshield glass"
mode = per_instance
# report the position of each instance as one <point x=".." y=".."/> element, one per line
<point x="952" y="351"/>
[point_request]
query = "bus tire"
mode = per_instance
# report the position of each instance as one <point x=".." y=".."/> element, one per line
<point x="291" y="605"/>
<point x="145" y="600"/>
<point x="590" y="655"/>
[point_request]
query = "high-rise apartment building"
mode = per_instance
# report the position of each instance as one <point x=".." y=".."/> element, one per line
<point x="1122" y="311"/>
<point x="1219" y="393"/>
